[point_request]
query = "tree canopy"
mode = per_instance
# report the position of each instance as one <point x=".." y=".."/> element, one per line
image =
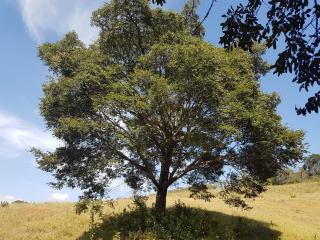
<point x="153" y="103"/>
<point x="295" y="21"/>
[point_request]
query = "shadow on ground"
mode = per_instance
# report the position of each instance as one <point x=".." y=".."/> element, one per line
<point x="212" y="225"/>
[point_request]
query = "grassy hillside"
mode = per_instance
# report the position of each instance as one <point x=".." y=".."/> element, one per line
<point x="288" y="212"/>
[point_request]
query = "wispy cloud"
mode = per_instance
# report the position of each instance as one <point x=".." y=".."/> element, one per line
<point x="7" y="198"/>
<point x="17" y="136"/>
<point x="119" y="188"/>
<point x="46" y="17"/>
<point x="59" y="196"/>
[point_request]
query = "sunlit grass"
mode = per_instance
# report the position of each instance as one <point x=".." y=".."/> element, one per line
<point x="293" y="210"/>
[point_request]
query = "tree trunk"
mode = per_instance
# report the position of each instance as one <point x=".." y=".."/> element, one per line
<point x="161" y="201"/>
<point x="161" y="198"/>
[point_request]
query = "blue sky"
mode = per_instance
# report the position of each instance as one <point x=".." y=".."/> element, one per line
<point x="24" y="24"/>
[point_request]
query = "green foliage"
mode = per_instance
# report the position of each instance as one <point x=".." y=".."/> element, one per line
<point x="182" y="223"/>
<point x="178" y="223"/>
<point x="295" y="22"/>
<point x="150" y="101"/>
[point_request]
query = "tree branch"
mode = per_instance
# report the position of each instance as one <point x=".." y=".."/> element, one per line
<point x="187" y="169"/>
<point x="144" y="169"/>
<point x="208" y="12"/>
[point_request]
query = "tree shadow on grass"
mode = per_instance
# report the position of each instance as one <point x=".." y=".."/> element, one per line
<point x="191" y="223"/>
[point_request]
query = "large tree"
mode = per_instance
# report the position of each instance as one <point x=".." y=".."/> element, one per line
<point x="153" y="103"/>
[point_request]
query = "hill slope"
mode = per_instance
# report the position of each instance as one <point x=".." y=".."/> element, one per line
<point x="293" y="211"/>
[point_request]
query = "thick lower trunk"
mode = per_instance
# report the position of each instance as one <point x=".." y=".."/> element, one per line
<point x="161" y="198"/>
<point x="161" y="201"/>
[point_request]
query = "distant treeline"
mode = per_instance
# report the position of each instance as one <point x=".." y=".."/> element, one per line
<point x="6" y="203"/>
<point x="310" y="170"/>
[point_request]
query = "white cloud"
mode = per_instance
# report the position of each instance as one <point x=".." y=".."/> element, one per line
<point x="46" y="17"/>
<point x="7" y="198"/>
<point x="59" y="196"/>
<point x="17" y="136"/>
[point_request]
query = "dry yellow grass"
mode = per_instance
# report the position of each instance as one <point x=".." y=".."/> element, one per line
<point x="293" y="210"/>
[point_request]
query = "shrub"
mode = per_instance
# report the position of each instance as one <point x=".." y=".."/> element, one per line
<point x="4" y="204"/>
<point x="179" y="223"/>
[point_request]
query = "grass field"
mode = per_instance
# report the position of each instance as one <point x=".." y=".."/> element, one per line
<point x="290" y="212"/>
